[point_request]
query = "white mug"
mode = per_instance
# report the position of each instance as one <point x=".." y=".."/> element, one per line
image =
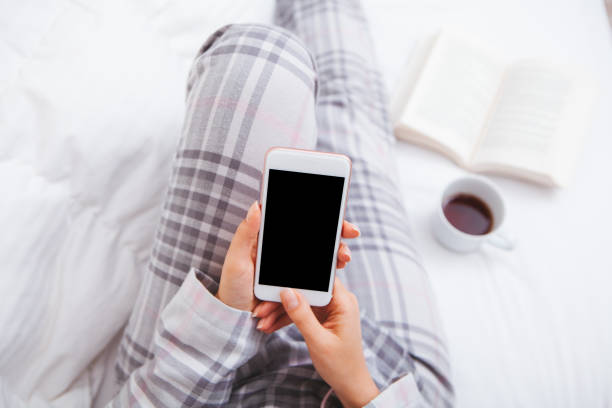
<point x="451" y="237"/>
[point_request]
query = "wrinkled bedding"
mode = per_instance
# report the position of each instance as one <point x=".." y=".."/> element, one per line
<point x="91" y="105"/>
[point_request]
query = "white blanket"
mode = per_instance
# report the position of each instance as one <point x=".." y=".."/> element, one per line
<point x="91" y="104"/>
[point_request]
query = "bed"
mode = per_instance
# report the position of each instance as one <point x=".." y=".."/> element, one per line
<point x="91" y="105"/>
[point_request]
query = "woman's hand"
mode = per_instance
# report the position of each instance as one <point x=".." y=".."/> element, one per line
<point x="333" y="338"/>
<point x="238" y="273"/>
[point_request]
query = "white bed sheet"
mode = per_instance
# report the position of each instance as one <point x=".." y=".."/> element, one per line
<point x="531" y="327"/>
<point x="91" y="99"/>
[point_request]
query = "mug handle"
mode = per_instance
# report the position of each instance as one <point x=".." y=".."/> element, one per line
<point x="502" y="240"/>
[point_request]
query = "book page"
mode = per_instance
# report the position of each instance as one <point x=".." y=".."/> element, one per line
<point x="451" y="100"/>
<point x="411" y="71"/>
<point x="535" y="120"/>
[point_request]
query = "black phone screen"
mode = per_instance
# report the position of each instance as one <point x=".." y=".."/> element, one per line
<point x="300" y="226"/>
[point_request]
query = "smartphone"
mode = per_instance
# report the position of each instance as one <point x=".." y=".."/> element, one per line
<point x="303" y="197"/>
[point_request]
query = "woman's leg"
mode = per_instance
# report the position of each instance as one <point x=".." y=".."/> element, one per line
<point x="386" y="273"/>
<point x="251" y="87"/>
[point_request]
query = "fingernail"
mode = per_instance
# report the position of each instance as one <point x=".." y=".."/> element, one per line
<point x="356" y="228"/>
<point x="260" y="325"/>
<point x="251" y="210"/>
<point x="348" y="254"/>
<point x="289" y="299"/>
<point x="254" y="314"/>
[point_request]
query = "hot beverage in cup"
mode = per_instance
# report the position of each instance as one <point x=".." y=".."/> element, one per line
<point x="470" y="211"/>
<point x="469" y="214"/>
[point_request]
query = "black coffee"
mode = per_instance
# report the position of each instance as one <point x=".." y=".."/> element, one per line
<point x="469" y="214"/>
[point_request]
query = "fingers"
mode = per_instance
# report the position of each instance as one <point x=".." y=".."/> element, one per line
<point x="245" y="237"/>
<point x="344" y="256"/>
<point x="342" y="298"/>
<point x="250" y="225"/>
<point x="339" y="289"/>
<point x="265" y="323"/>
<point x="281" y="322"/>
<point x="252" y="220"/>
<point x="263" y="309"/>
<point x="344" y="253"/>
<point x="272" y="316"/>
<point x="350" y="230"/>
<point x="302" y="315"/>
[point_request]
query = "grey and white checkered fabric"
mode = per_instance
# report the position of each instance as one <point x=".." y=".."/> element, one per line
<point x="250" y="88"/>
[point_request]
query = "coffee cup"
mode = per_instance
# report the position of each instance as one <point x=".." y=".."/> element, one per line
<point x="471" y="212"/>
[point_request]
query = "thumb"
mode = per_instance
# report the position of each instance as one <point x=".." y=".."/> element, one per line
<point x="246" y="233"/>
<point x="301" y="314"/>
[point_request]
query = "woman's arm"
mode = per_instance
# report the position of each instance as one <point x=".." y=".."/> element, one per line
<point x="205" y="336"/>
<point x="335" y="345"/>
<point x="197" y="337"/>
<point x="334" y="339"/>
<point x="205" y="332"/>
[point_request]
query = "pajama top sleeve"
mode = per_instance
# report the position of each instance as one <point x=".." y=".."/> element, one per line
<point x="198" y="337"/>
<point x="403" y="393"/>
<point x="201" y="337"/>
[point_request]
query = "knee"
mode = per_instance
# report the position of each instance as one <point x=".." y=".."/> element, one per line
<point x="258" y="48"/>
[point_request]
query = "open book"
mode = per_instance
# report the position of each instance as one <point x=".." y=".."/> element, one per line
<point x="523" y="119"/>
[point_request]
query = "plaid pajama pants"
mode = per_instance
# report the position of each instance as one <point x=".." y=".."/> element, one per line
<point x="310" y="82"/>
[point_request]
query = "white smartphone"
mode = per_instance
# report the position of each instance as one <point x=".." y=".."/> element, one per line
<point x="303" y="196"/>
